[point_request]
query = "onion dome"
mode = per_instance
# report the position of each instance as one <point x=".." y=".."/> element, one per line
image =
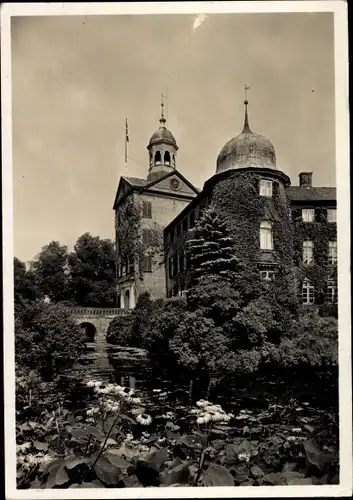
<point x="247" y="150"/>
<point x="162" y="135"/>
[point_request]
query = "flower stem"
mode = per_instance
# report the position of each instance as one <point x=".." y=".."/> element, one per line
<point x="106" y="438"/>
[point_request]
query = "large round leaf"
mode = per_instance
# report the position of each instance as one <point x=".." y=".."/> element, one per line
<point x="107" y="472"/>
<point x="217" y="475"/>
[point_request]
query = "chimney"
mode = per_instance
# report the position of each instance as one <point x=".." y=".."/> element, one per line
<point x="305" y="179"/>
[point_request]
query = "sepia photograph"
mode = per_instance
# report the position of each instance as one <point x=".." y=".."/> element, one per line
<point x="176" y="249"/>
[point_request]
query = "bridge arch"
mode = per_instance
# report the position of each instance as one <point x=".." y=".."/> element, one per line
<point x="98" y="318"/>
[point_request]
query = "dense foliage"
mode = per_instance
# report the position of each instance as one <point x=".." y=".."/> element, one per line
<point x="47" y="340"/>
<point x="84" y="277"/>
<point x="232" y="322"/>
<point x="125" y="440"/>
<point x="133" y="329"/>
<point x="92" y="272"/>
<point x="132" y="248"/>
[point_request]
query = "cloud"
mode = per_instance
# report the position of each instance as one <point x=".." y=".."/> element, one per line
<point x="199" y="19"/>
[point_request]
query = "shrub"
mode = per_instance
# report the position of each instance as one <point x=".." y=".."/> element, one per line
<point x="48" y="340"/>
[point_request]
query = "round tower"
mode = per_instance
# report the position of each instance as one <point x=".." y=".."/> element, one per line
<point x="162" y="149"/>
<point x="250" y="191"/>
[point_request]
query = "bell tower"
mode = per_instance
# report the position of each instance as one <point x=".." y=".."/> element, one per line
<point x="162" y="149"/>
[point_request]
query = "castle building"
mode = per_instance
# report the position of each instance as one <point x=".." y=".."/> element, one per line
<point x="143" y="208"/>
<point x="274" y="225"/>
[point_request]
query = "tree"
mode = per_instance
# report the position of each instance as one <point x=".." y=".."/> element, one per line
<point x="311" y="340"/>
<point x="214" y="270"/>
<point x="48" y="341"/>
<point x="51" y="272"/>
<point x="25" y="290"/>
<point x="92" y="265"/>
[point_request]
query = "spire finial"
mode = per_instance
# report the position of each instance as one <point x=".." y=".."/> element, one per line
<point x="162" y="118"/>
<point x="246" y="127"/>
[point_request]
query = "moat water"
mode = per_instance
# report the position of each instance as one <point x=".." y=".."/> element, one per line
<point x="130" y="367"/>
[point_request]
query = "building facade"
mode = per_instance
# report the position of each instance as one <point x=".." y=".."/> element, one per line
<point x="143" y="208"/>
<point x="274" y="225"/>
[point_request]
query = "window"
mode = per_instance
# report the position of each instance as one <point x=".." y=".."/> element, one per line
<point x="185" y="224"/>
<point x="181" y="261"/>
<point x="192" y="219"/>
<point x="175" y="265"/>
<point x="146" y="236"/>
<point x="166" y="158"/>
<point x="171" y="266"/>
<point x="331" y="295"/>
<point x="331" y="215"/>
<point x="130" y="266"/>
<point x="308" y="293"/>
<point x="147" y="209"/>
<point x="308" y="215"/>
<point x="332" y="252"/>
<point x="267" y="275"/>
<point x="308" y="252"/>
<point x="266" y="240"/>
<point x="266" y="188"/>
<point x="157" y="158"/>
<point x="147" y="264"/>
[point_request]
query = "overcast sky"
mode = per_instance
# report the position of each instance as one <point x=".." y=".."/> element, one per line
<point x="75" y="79"/>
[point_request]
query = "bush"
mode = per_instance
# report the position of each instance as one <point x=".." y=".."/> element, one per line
<point x="119" y="331"/>
<point x="47" y="340"/>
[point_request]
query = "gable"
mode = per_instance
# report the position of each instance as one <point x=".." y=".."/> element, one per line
<point x="173" y="182"/>
<point x="123" y="188"/>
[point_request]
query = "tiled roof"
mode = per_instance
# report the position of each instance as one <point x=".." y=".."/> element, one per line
<point x="135" y="181"/>
<point x="297" y="193"/>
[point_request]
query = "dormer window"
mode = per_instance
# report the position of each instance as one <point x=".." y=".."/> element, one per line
<point x="266" y="188"/>
<point x="266" y="238"/>
<point x="331" y="215"/>
<point x="308" y="215"/>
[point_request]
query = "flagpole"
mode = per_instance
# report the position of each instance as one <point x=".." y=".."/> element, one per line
<point x="126" y="141"/>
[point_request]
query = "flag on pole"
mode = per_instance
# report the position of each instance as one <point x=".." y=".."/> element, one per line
<point x="126" y="141"/>
<point x="127" y="131"/>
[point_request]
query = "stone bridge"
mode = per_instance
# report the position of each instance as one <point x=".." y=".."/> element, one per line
<point x="95" y="320"/>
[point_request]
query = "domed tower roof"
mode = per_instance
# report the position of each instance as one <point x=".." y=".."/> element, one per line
<point x="162" y="135"/>
<point x="247" y="150"/>
<point x="162" y="150"/>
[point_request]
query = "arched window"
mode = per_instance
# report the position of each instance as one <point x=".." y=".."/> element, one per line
<point x="167" y="158"/>
<point x="173" y="160"/>
<point x="266" y="239"/>
<point x="157" y="158"/>
<point x="151" y="158"/>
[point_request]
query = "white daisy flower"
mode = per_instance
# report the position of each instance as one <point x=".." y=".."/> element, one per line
<point x="97" y="384"/>
<point x="135" y="401"/>
<point x="202" y="403"/>
<point x="194" y="411"/>
<point x="203" y="419"/>
<point x="244" y="457"/>
<point x="144" y="419"/>
<point x="157" y="390"/>
<point x="296" y="430"/>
